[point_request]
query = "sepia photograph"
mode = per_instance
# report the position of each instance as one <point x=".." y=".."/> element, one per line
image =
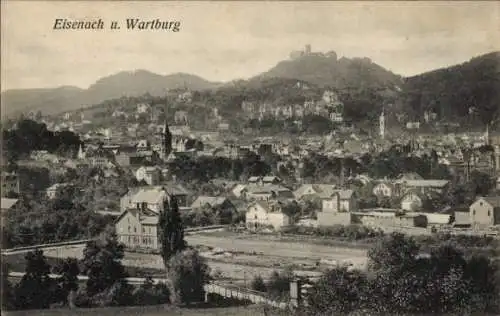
<point x="267" y="158"/>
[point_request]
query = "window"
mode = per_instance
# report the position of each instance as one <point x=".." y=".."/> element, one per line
<point x="480" y="203"/>
<point x="143" y="230"/>
<point x="135" y="229"/>
<point x="473" y="212"/>
<point x="489" y="213"/>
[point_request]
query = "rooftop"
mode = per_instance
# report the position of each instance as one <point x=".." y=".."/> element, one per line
<point x="8" y="203"/>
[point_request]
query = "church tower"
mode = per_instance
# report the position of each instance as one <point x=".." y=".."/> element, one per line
<point x="166" y="142"/>
<point x="382" y="125"/>
<point x="81" y="153"/>
<point x="487" y="135"/>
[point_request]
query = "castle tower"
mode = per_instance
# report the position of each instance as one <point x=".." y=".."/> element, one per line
<point x="382" y="125"/>
<point x="307" y="49"/>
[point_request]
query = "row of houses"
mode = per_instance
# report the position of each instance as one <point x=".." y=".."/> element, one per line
<point x="136" y="226"/>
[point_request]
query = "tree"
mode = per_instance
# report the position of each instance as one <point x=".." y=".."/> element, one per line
<point x="278" y="285"/>
<point x="170" y="230"/>
<point x="258" y="284"/>
<point x="151" y="294"/>
<point x="35" y="289"/>
<point x="68" y="281"/>
<point x="7" y="290"/>
<point x="393" y="252"/>
<point x="481" y="182"/>
<point x="338" y="292"/>
<point x="187" y="273"/>
<point x="102" y="263"/>
<point x="292" y="210"/>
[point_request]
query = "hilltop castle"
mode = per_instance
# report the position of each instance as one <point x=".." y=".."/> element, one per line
<point x="307" y="52"/>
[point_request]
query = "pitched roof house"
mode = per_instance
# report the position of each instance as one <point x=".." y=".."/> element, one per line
<point x="322" y="191"/>
<point x="265" y="214"/>
<point x="212" y="202"/>
<point x="485" y="212"/>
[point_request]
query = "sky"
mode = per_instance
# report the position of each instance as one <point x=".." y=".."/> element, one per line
<point x="223" y="41"/>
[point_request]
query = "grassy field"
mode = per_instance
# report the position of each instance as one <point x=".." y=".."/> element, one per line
<point x="157" y="310"/>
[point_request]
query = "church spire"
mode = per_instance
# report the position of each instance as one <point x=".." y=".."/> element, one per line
<point x="487" y="134"/>
<point x="166" y="141"/>
<point x="81" y="153"/>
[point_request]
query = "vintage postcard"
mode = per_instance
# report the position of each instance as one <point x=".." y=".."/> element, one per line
<point x="250" y="158"/>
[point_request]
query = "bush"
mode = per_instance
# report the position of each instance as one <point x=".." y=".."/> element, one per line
<point x="82" y="300"/>
<point x="151" y="294"/>
<point x="338" y="292"/>
<point x="258" y="284"/>
<point x="349" y="232"/>
<point x="119" y="294"/>
<point x="278" y="285"/>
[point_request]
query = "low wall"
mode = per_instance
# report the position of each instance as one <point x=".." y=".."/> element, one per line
<point x="45" y="246"/>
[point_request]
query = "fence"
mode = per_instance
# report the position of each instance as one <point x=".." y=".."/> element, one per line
<point x="244" y="294"/>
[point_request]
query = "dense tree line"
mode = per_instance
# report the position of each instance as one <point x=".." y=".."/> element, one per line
<point x="30" y="135"/>
<point x="53" y="221"/>
<point x="206" y="168"/>
<point x="402" y="280"/>
<point x="71" y="214"/>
